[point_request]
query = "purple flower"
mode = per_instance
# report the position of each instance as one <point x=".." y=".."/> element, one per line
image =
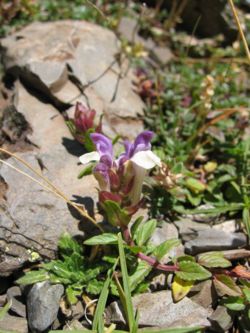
<point x="138" y="154"/>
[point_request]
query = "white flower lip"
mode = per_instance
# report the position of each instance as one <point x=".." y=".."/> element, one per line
<point x="146" y="159"/>
<point x="94" y="156"/>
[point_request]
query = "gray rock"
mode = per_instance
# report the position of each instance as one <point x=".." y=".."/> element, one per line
<point x="228" y="226"/>
<point x="32" y="219"/>
<point x="43" y="305"/>
<point x="221" y="320"/>
<point x="159" y="310"/>
<point x="203" y="294"/>
<point x="212" y="240"/>
<point x="14" y="294"/>
<point x="75" y="60"/>
<point x="74" y="325"/>
<point x="14" y="324"/>
<point x="189" y="229"/>
<point x="129" y="29"/>
<point x="163" y="233"/>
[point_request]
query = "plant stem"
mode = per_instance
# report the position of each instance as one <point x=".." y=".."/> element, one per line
<point x="236" y="17"/>
<point x="154" y="263"/>
<point x="151" y="261"/>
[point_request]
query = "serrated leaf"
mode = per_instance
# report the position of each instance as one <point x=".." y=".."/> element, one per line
<point x="180" y="288"/>
<point x="145" y="231"/>
<point x="225" y="285"/>
<point x="85" y="171"/>
<point x="67" y="245"/>
<point x="33" y="277"/>
<point x="191" y="271"/>
<point x="94" y="287"/>
<point x="213" y="259"/>
<point x="234" y="303"/>
<point x="103" y="239"/>
<point x="161" y="250"/>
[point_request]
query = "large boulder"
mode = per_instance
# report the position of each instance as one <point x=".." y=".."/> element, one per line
<point x="53" y="65"/>
<point x="68" y="61"/>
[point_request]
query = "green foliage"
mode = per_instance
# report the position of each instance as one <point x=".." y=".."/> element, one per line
<point x="161" y="250"/>
<point x="115" y="214"/>
<point x="103" y="239"/>
<point x="144" y="232"/>
<point x="213" y="259"/>
<point x="73" y="270"/>
<point x="191" y="271"/>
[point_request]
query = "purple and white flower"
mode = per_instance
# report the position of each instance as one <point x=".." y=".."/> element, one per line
<point x="138" y="154"/>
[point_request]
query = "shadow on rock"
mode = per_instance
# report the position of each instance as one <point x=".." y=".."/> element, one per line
<point x="73" y="147"/>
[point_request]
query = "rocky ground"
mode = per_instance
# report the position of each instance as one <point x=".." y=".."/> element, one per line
<point x="47" y="67"/>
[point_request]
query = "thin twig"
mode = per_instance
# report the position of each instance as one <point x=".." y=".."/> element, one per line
<point x="235" y="14"/>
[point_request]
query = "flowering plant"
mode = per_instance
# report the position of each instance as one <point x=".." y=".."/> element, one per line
<point x="83" y="124"/>
<point x="121" y="179"/>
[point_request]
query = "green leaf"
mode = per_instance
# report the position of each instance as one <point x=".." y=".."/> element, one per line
<point x="88" y="143"/>
<point x="103" y="239"/>
<point x="72" y="294"/>
<point x="178" y="168"/>
<point x="94" y="287"/>
<point x="234" y="303"/>
<point x="5" y="309"/>
<point x="191" y="271"/>
<point x="185" y="258"/>
<point x="135" y="226"/>
<point x="126" y="284"/>
<point x="246" y="219"/>
<point x="213" y="259"/>
<point x="86" y="171"/>
<point x="145" y="231"/>
<point x="161" y="250"/>
<point x="67" y="245"/>
<point x="246" y="292"/>
<point x="195" y="185"/>
<point x="225" y="285"/>
<point x="33" y="277"/>
<point x="98" y="322"/>
<point x="213" y="211"/>
<point x="115" y="214"/>
<point x="142" y="270"/>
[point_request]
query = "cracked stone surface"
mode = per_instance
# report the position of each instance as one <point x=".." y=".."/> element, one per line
<point x="159" y="310"/>
<point x="54" y="65"/>
<point x="68" y="61"/>
<point x="32" y="219"/>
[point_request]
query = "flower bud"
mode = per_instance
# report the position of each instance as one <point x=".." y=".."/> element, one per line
<point x="84" y="117"/>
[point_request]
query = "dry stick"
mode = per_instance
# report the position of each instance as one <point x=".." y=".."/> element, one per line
<point x="235" y="14"/>
<point x="52" y="187"/>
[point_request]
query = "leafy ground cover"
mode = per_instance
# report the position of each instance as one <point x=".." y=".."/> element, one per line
<point x="199" y="112"/>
